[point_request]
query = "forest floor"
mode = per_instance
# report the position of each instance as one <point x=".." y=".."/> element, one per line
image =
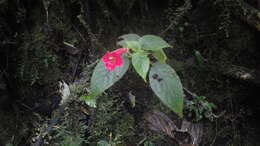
<point x="215" y="54"/>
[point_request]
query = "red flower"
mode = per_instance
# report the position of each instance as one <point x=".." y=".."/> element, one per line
<point x="113" y="59"/>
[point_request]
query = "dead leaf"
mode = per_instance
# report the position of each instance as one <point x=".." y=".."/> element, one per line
<point x="195" y="130"/>
<point x="159" y="122"/>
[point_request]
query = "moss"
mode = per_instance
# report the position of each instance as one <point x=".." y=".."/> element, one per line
<point x="111" y="122"/>
<point x="37" y="61"/>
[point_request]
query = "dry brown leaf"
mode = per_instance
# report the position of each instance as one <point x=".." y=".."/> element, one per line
<point x="195" y="130"/>
<point x="159" y="122"/>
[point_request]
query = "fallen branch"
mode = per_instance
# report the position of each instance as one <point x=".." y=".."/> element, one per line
<point x="237" y="72"/>
<point x="245" y="12"/>
<point x="229" y="70"/>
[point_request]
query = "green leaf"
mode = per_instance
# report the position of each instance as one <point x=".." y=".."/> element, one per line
<point x="103" y="143"/>
<point x="154" y="43"/>
<point x="90" y="100"/>
<point x="149" y="143"/>
<point x="141" y="64"/>
<point x="69" y="140"/>
<point x="167" y="86"/>
<point x="103" y="79"/>
<point x="200" y="59"/>
<point x="132" y="99"/>
<point x="130" y="41"/>
<point x="134" y="45"/>
<point x="122" y="43"/>
<point x="130" y="37"/>
<point x="160" y="55"/>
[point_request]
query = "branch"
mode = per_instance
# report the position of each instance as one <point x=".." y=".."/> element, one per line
<point x="179" y="14"/>
<point x="245" y="12"/>
<point x="237" y="72"/>
<point x="229" y="70"/>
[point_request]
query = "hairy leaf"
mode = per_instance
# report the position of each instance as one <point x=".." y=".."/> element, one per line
<point x="160" y="55"/>
<point x="134" y="45"/>
<point x="167" y="86"/>
<point x="130" y="37"/>
<point x="103" y="79"/>
<point x="154" y="43"/>
<point x="141" y="64"/>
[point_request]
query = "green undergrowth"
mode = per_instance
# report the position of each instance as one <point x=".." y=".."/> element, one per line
<point x="111" y="122"/>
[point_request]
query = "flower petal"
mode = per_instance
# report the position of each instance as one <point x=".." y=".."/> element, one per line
<point x="110" y="66"/>
<point x="105" y="58"/>
<point x="119" y="61"/>
<point x="113" y="59"/>
<point x="120" y="51"/>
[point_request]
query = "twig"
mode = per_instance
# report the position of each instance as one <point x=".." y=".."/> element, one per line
<point x="189" y="92"/>
<point x="46" y="4"/>
<point x="236" y="72"/>
<point x="229" y="70"/>
<point x="76" y="68"/>
<point x="245" y="12"/>
<point x="181" y="11"/>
